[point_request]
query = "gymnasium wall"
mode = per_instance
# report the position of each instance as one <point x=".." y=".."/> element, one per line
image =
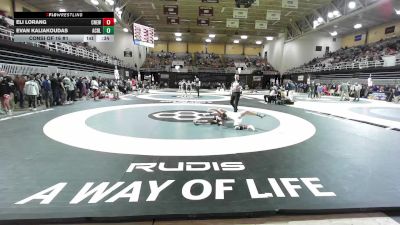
<point x="373" y="35"/>
<point x="285" y="56"/>
<point x="274" y="51"/>
<point x="21" y="6"/>
<point x="303" y="50"/>
<point x="378" y="33"/>
<point x="160" y="46"/>
<point x="196" y="47"/>
<point x="177" y="47"/>
<point x="123" y="41"/>
<point x="234" y="49"/>
<point x="217" y="48"/>
<point x="253" y="50"/>
<point x="6" y="5"/>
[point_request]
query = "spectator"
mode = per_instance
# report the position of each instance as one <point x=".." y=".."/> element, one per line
<point x="47" y="92"/>
<point x="32" y="91"/>
<point x="5" y="94"/>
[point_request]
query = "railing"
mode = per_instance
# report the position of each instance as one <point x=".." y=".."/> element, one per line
<point x="65" y="48"/>
<point x="196" y="69"/>
<point x="342" y="66"/>
<point x="210" y="70"/>
<point x="13" y="69"/>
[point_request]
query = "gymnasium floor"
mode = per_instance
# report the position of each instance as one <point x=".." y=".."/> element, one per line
<point x="104" y="161"/>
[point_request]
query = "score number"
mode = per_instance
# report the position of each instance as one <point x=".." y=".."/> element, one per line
<point x="108" y="22"/>
<point x="108" y="25"/>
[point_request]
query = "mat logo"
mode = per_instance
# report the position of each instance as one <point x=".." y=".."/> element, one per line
<point x="179" y="115"/>
<point x="186" y="166"/>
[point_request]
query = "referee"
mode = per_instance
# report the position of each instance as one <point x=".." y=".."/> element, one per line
<point x="197" y="85"/>
<point x="236" y="89"/>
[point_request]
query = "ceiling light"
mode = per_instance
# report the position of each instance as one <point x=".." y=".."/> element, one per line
<point x="94" y="2"/>
<point x="352" y="5"/>
<point x="330" y="15"/>
<point x="320" y="19"/>
<point x="178" y="39"/>
<point x="236" y="41"/>
<point x="126" y="30"/>
<point x="177" y="67"/>
<point x="397" y="11"/>
<point x="117" y="9"/>
<point x="155" y="38"/>
<point x="334" y="33"/>
<point x="269" y="38"/>
<point x="358" y="26"/>
<point x="244" y="37"/>
<point x="62" y="10"/>
<point x="178" y="34"/>
<point x="259" y="42"/>
<point x="336" y="13"/>
<point x="208" y="40"/>
<point x="211" y="35"/>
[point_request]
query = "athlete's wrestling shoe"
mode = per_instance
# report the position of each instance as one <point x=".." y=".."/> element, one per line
<point x="261" y="115"/>
<point x="251" y="127"/>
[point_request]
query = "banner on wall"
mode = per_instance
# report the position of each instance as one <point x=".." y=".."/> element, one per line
<point x="273" y="14"/>
<point x="261" y="24"/>
<point x="232" y="23"/>
<point x="170" y="9"/>
<point x="389" y="30"/>
<point x="203" y="22"/>
<point x="358" y="37"/>
<point x="240" y="13"/>
<point x="174" y="20"/>
<point x="290" y="4"/>
<point x="206" y="11"/>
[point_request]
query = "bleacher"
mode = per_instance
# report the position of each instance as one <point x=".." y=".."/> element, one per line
<point x="207" y="63"/>
<point x="370" y="56"/>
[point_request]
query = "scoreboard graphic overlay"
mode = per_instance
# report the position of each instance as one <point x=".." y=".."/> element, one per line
<point x="64" y="27"/>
